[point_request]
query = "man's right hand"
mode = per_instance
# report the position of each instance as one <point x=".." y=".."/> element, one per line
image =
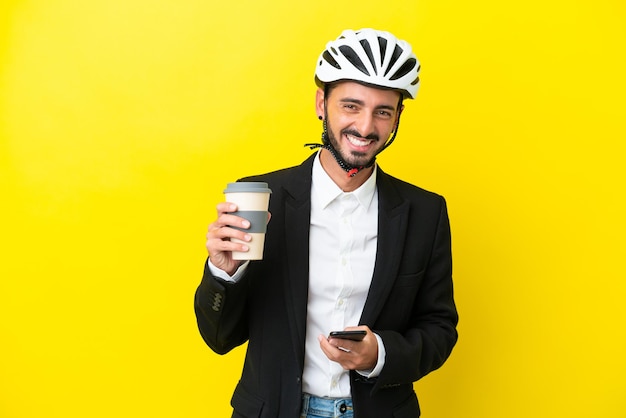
<point x="218" y="242"/>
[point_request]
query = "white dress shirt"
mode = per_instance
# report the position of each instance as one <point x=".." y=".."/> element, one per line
<point x="342" y="252"/>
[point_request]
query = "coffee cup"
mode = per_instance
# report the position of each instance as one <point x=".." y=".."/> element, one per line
<point x="252" y="200"/>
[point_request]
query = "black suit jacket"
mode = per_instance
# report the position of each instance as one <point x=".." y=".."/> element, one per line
<point x="410" y="302"/>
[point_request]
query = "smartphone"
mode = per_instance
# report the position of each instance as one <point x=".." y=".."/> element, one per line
<point x="357" y="335"/>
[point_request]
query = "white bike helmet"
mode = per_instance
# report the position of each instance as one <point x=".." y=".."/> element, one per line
<point x="372" y="57"/>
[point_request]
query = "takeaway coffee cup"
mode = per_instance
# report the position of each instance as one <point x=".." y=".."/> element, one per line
<point x="252" y="200"/>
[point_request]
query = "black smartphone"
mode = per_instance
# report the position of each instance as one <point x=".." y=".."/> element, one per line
<point x="357" y="335"/>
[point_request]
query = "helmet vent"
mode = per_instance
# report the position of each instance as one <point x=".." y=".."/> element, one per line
<point x="382" y="43"/>
<point x="368" y="51"/>
<point x="405" y="69"/>
<point x="397" y="51"/>
<point x="330" y="60"/>
<point x="353" y="58"/>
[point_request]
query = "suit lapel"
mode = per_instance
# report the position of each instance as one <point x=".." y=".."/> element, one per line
<point x="393" y="214"/>
<point x="297" y="206"/>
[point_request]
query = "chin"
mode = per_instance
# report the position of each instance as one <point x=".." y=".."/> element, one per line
<point x="357" y="162"/>
<point x="357" y="158"/>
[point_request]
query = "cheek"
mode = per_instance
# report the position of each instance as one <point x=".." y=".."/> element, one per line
<point x="339" y="123"/>
<point x="342" y="121"/>
<point x="384" y="128"/>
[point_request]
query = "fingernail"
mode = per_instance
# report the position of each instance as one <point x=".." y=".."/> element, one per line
<point x="246" y="224"/>
<point x="248" y="237"/>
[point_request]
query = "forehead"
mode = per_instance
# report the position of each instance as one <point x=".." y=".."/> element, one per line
<point x="371" y="95"/>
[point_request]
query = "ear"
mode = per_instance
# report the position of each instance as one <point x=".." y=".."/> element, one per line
<point x="319" y="103"/>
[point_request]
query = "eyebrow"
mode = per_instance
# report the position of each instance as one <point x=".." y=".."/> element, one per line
<point x="362" y="103"/>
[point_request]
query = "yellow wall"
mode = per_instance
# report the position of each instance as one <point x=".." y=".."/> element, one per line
<point x="122" y="120"/>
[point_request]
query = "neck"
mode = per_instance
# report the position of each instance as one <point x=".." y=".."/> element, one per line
<point x="339" y="176"/>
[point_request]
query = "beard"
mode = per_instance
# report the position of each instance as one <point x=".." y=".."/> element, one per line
<point x="352" y="157"/>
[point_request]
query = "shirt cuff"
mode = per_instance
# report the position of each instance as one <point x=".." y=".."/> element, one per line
<point x="375" y="372"/>
<point x="221" y="274"/>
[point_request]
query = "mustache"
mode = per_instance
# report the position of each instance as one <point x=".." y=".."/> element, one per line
<point x="353" y="132"/>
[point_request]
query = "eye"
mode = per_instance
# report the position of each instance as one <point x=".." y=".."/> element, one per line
<point x="350" y="107"/>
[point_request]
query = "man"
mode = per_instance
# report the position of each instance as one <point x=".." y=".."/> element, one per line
<point x="347" y="247"/>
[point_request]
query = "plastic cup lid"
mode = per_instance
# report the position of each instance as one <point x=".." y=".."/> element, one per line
<point x="247" y="187"/>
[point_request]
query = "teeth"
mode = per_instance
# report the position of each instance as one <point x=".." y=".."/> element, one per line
<point x="358" y="142"/>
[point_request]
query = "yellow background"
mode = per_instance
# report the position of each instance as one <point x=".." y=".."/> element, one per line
<point x="122" y="120"/>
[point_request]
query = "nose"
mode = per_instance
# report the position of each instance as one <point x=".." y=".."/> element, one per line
<point x="364" y="124"/>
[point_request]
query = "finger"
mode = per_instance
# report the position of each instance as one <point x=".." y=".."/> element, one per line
<point x="333" y="350"/>
<point x="224" y="245"/>
<point x="221" y="227"/>
<point x="327" y="349"/>
<point x="226" y="207"/>
<point x="342" y="344"/>
<point x="234" y="220"/>
<point x="339" y="354"/>
<point x="225" y="239"/>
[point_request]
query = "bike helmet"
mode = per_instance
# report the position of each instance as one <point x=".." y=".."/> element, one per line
<point x="372" y="57"/>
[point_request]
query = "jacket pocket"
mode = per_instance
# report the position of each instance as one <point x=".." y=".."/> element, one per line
<point x="245" y="404"/>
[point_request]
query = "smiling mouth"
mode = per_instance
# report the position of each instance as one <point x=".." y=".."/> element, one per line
<point x="358" y="141"/>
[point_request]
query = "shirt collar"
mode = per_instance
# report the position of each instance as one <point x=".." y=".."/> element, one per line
<point x="325" y="189"/>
